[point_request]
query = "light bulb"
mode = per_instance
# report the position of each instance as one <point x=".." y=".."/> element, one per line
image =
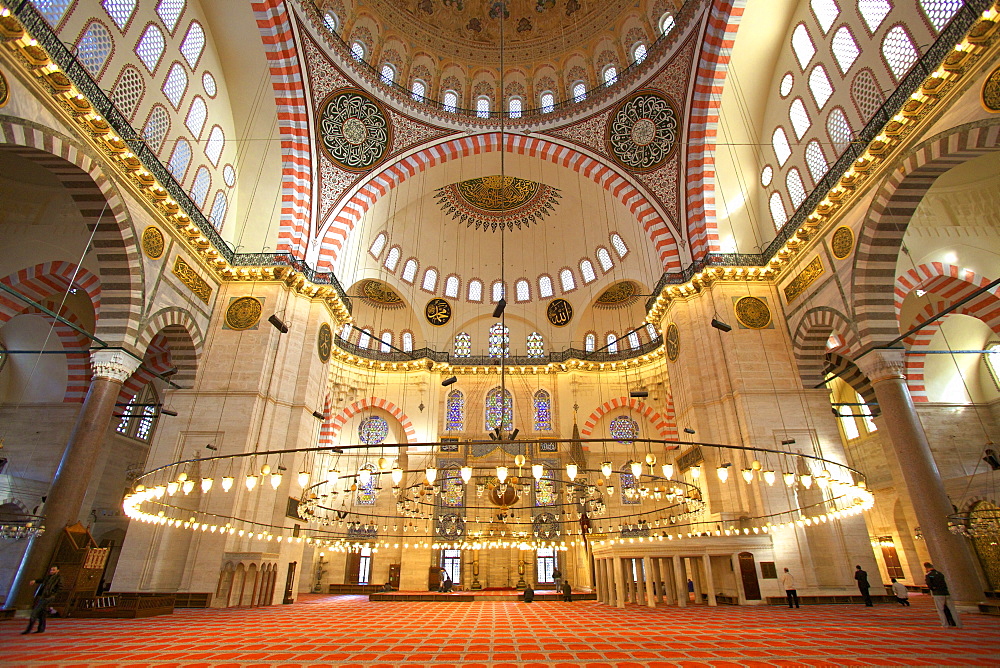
<point x="501" y="473"/>
<point x="397" y="475"/>
<point x="206" y="484"/>
<point x="571" y="471"/>
<point x="275" y="480"/>
<point x="668" y="470"/>
<point x="172" y="487"/>
<point x="636" y="468"/>
<point x="466" y="472"/>
<point x="227" y="483"/>
<point x="695" y="472"/>
<point x="251" y="482"/>
<point x="747" y="475"/>
<point x="431" y="474"/>
<point x="606" y="469"/>
<point x="537" y="470"/>
<point x="187" y="486"/>
<point x="789" y="478"/>
<point x="303" y="478"/>
<point x="159" y="490"/>
<point x="769" y="477"/>
<point x="364" y="476"/>
<point x="723" y="472"/>
<point x="807" y="480"/>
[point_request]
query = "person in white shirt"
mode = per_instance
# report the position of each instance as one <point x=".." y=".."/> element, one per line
<point x="788" y="583"/>
<point x="900" y="592"/>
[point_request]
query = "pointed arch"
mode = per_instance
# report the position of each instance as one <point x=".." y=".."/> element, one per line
<point x="77" y="362"/>
<point x="184" y="337"/>
<point x="374" y="402"/>
<point x="47" y="279"/>
<point x="666" y="430"/>
<point x="944" y="280"/>
<point x="810" y="337"/>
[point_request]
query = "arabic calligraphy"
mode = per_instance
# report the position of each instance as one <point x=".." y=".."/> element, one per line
<point x="805" y="278"/>
<point x="324" y="342"/>
<point x="354" y="131"/>
<point x="642" y="134"/>
<point x="438" y="312"/>
<point x="559" y="312"/>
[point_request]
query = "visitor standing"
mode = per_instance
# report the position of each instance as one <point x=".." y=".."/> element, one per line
<point x="900" y="592"/>
<point x="788" y="582"/>
<point x="862" y="577"/>
<point x="938" y="585"/>
<point x="47" y="589"/>
<point x="557" y="578"/>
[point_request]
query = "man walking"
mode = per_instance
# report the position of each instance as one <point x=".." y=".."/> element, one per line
<point x="863" y="586"/>
<point x="942" y="600"/>
<point x="788" y="582"/>
<point x="47" y="589"/>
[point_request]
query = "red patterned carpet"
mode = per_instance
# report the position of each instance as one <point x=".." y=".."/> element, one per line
<point x="351" y="632"/>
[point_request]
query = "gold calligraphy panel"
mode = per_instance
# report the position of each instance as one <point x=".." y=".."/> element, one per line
<point x="672" y="341"/>
<point x="805" y="278"/>
<point x="190" y="278"/>
<point x="991" y="92"/>
<point x="324" y="342"/>
<point x="244" y="313"/>
<point x="752" y="312"/>
<point x="559" y="312"/>
<point x="152" y="243"/>
<point x="842" y="242"/>
<point x="438" y="312"/>
<point x="4" y="90"/>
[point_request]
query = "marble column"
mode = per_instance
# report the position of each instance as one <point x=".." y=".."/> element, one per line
<point x="696" y="579"/>
<point x="709" y="581"/>
<point x="602" y="581"/>
<point x="650" y="578"/>
<point x="657" y="578"/>
<point x="680" y="582"/>
<point x="620" y="581"/>
<point x="667" y="568"/>
<point x="950" y="553"/>
<point x="641" y="577"/>
<point x="111" y="368"/>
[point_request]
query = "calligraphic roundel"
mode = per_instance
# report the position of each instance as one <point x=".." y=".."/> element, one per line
<point x="438" y="312"/>
<point x="559" y="312"/>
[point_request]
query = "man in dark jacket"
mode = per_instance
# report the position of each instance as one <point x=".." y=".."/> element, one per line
<point x="863" y="586"/>
<point x="567" y="592"/>
<point x="942" y="599"/>
<point x="47" y="589"/>
<point x="529" y="593"/>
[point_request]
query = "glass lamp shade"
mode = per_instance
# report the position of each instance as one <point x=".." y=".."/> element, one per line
<point x="364" y="476"/>
<point x="501" y="473"/>
<point x="806" y="479"/>
<point x="696" y="472"/>
<point x="265" y="469"/>
<point x="723" y="472"/>
<point x="747" y="475"/>
<point x="187" y="486"/>
<point x="650" y="459"/>
<point x="519" y="460"/>
<point x="431" y="474"/>
<point x="332" y="476"/>
<point x="227" y="483"/>
<point x="636" y="468"/>
<point x="571" y="471"/>
<point x="275" y="480"/>
<point x="172" y="487"/>
<point x="303" y="478"/>
<point x="466" y="472"/>
<point x="537" y="470"/>
<point x="668" y="470"/>
<point x="159" y="491"/>
<point x="769" y="477"/>
<point x="397" y="475"/>
<point x="789" y="478"/>
<point x="606" y="469"/>
<point x="251" y="482"/>
<point x="181" y="477"/>
<point x="206" y="484"/>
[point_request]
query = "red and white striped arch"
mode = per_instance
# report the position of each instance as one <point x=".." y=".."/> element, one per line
<point x="706" y="97"/>
<point x="77" y="356"/>
<point x="326" y="429"/>
<point x="665" y="426"/>
<point x="155" y="361"/>
<point x="944" y="280"/>
<point x="335" y="236"/>
<point x="48" y="279"/>
<point x="275" y="25"/>
<point x="372" y="402"/>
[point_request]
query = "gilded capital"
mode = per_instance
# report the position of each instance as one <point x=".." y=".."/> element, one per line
<point x="883" y="364"/>
<point x="115" y="365"/>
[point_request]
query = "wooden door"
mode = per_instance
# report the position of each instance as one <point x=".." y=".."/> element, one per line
<point x="748" y="572"/>
<point x="353" y="568"/>
<point x="394" y="576"/>
<point x="290" y="584"/>
<point x="434" y="578"/>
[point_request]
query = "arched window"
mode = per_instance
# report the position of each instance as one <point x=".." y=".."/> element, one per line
<point x="899" y="51"/>
<point x="820" y="86"/>
<point x="409" y="270"/>
<point x="139" y="415"/>
<point x="566" y="278"/>
<point x="816" y="161"/>
<point x="463" y="344"/>
<point x="218" y="215"/>
<point x="475" y="290"/>
<point x="628" y="484"/>
<point x="826" y="12"/>
<point x="579" y="91"/>
<point x="170" y="12"/>
<point x="848" y="422"/>
<point x="345" y="332"/>
<point x="175" y="84"/>
<point x="451" y="287"/>
<point x="358" y="50"/>
<point x="180" y="159"/>
<point x="386" y="339"/>
<point x="651" y="331"/>
<point x="667" y="23"/>
<point x="407" y="341"/>
<point x="548" y="102"/>
<point x="128" y="91"/>
<point x="799" y="117"/>
<point x="199" y="188"/>
<point x="587" y="271"/>
<point x="216" y="142"/>
<point x="366" y="494"/>
<point x="845" y="49"/>
<point x="866" y="410"/>
<point x="365" y="338"/>
<point x="796" y="190"/>
<point x="590" y="342"/>
<point x="499" y="409"/>
<point x="778" y="214"/>
<point x="378" y="245"/>
<point x="94" y="48"/>
<point x="766" y="175"/>
<point x="866" y="93"/>
<point x="939" y="12"/>
<point x="604" y="259"/>
<point x="624" y="430"/>
<point x="193" y="44"/>
<point x="156" y="127"/>
<point x="514" y="105"/>
<point x="430" y="280"/>
<point x="802" y="45"/>
<point x="612" y="343"/>
<point x="522" y="290"/>
<point x="785" y="87"/>
<point x="545" y="495"/>
<point x="779" y="140"/>
<point x="419" y="90"/>
<point x="331" y="21"/>
<point x="196" y="116"/>
<point x="633" y="340"/>
<point x="610" y="75"/>
<point x="388" y="73"/>
<point x="120" y="11"/>
<point x="839" y="129"/>
<point x="536" y="346"/>
<point x="208" y="81"/>
<point x="639" y="52"/>
<point x="543" y="411"/>
<point x="619" y="245"/>
<point x="545" y="286"/>
<point x="483" y="106"/>
<point x="150" y="47"/>
<point x="392" y="259"/>
<point x="455" y="419"/>
<point x="497" y="291"/>
<point x="499" y="341"/>
<point x="450" y="101"/>
<point x="874" y="12"/>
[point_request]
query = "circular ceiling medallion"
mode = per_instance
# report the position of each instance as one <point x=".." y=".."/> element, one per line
<point x="991" y="91"/>
<point x="354" y="130"/>
<point x="152" y="243"/>
<point x="244" y="313"/>
<point x="324" y="342"/>
<point x="559" y="312"/>
<point x="753" y="312"/>
<point x="672" y="341"/>
<point x="842" y="242"/>
<point x="438" y="312"/>
<point x="4" y="90"/>
<point x="643" y="131"/>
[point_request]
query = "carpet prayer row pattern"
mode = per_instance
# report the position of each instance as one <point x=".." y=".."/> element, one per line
<point x="351" y="632"/>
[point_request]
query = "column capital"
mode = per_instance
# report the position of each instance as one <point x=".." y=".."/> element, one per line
<point x="115" y="364"/>
<point x="883" y="364"/>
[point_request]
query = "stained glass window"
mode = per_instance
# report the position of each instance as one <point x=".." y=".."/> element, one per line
<point x="499" y="341"/>
<point x="626" y="482"/>
<point x="619" y="245"/>
<point x="456" y="411"/>
<point x="199" y="188"/>
<point x="779" y="140"/>
<point x="407" y="341"/>
<point x="940" y="11"/>
<point x="452" y="489"/>
<point x="874" y="12"/>
<point x="579" y="92"/>
<point x="392" y="259"/>
<point x="218" y="215"/>
<point x="651" y="330"/>
<point x="826" y="13"/>
<point x="899" y="52"/>
<point x="378" y="245"/>
<point x="193" y="44"/>
<point x="331" y="21"/>
<point x="450" y="100"/>
<point x="624" y="429"/>
<point x="610" y="75"/>
<point x="545" y="490"/>
<point x="366" y="492"/>
<point x="373" y="430"/>
<point x="543" y="411"/>
<point x="820" y="86"/>
<point x="128" y="91"/>
<point x="802" y="44"/>
<point x="498" y="291"/>
<point x="548" y="102"/>
<point x="358" y="50"/>
<point x="180" y="159"/>
<point x="216" y="142"/>
<point x="197" y="114"/>
<point x="633" y="340"/>
<point x="778" y="214"/>
<point x="536" y="346"/>
<point x="463" y="344"/>
<point x="796" y="190"/>
<point x="604" y="258"/>
<point x="522" y="291"/>
<point x="766" y="176"/>
<point x="388" y="73"/>
<point x="589" y="343"/>
<point x="612" y="343"/>
<point x="845" y="49"/>
<point x="419" y="90"/>
<point x="122" y="427"/>
<point x="386" y="339"/>
<point x="495" y="409"/>
<point x="839" y="129"/>
<point x="451" y="287"/>
<point x="514" y="107"/>
<point x="170" y="12"/>
<point x="566" y="278"/>
<point x="483" y="107"/>
<point x="430" y="280"/>
<point x="639" y="53"/>
<point x="786" y="84"/>
<point x="52" y="10"/>
<point x="175" y="85"/>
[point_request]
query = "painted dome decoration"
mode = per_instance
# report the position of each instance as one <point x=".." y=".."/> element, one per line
<point x="491" y="201"/>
